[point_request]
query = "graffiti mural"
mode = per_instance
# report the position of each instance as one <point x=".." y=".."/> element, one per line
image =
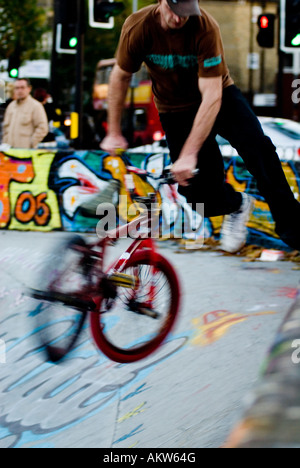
<point x="42" y="190"/>
<point x="32" y="387"/>
<point x="26" y="201"/>
<point x="214" y="325"/>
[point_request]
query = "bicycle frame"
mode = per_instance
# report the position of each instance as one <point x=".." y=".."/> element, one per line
<point x="132" y="281"/>
<point x="141" y="243"/>
<point x="148" y="222"/>
<point x="143" y="239"/>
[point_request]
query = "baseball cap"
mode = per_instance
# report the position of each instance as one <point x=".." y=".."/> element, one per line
<point x="185" y="8"/>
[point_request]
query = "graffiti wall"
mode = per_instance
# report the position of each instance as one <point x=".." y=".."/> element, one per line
<point x="42" y="190"/>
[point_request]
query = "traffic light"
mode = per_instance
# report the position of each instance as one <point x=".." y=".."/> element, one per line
<point x="14" y="63"/>
<point x="266" y="34"/>
<point x="290" y="25"/>
<point x="66" y="17"/>
<point x="102" y="13"/>
<point x="66" y="38"/>
<point x="66" y="11"/>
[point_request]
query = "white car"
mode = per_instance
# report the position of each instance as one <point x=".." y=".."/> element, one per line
<point x="284" y="133"/>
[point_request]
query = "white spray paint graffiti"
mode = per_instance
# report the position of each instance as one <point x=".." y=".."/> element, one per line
<point x="88" y="185"/>
<point x="2" y="352"/>
<point x="31" y="387"/>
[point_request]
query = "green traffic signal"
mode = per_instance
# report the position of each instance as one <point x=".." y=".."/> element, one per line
<point x="73" y="42"/>
<point x="296" y="41"/>
<point x="106" y="9"/>
<point x="13" y="73"/>
<point x="14" y="63"/>
<point x="290" y="25"/>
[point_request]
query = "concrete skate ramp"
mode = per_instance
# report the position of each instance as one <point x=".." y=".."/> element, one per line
<point x="187" y="395"/>
<point x="272" y="419"/>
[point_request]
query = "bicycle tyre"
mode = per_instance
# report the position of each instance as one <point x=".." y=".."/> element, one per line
<point x="58" y="322"/>
<point x="121" y="354"/>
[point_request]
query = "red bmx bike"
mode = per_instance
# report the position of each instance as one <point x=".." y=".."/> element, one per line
<point x="132" y="305"/>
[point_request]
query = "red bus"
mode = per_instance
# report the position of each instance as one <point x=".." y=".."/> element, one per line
<point x="140" y="112"/>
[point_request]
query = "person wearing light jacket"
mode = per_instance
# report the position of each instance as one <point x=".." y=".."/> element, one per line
<point x="25" y="121"/>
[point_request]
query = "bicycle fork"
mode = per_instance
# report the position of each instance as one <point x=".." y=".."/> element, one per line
<point x="133" y="282"/>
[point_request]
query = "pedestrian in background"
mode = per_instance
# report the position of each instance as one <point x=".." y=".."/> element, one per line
<point x="25" y="121"/>
<point x="10" y="91"/>
<point x="41" y="95"/>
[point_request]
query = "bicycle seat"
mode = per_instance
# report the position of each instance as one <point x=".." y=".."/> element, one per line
<point x="147" y="201"/>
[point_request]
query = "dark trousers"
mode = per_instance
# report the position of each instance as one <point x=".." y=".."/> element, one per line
<point x="238" y="124"/>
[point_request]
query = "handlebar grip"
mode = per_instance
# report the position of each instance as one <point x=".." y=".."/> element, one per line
<point x="169" y="176"/>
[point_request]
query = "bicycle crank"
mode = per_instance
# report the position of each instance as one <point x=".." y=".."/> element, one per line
<point x="65" y="299"/>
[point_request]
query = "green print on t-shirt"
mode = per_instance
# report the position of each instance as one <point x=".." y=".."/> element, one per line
<point x="213" y="62"/>
<point x="170" y="62"/>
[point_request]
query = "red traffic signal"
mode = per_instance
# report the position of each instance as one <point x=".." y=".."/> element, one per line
<point x="266" y="34"/>
<point x="263" y="22"/>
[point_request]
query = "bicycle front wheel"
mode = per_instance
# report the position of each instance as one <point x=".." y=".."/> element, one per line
<point x="135" y="322"/>
<point x="60" y="314"/>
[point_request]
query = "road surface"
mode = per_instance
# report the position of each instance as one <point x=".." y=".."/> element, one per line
<point x="189" y="394"/>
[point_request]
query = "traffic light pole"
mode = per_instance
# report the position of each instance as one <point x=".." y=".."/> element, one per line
<point x="296" y="73"/>
<point x="79" y="72"/>
<point x="296" y="64"/>
<point x="69" y="13"/>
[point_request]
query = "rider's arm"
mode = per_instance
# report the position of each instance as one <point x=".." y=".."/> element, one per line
<point x="117" y="91"/>
<point x="211" y="90"/>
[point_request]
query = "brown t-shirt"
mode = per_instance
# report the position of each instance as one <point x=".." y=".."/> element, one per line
<point x="175" y="58"/>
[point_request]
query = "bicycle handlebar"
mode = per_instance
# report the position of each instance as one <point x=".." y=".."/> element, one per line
<point x="166" y="178"/>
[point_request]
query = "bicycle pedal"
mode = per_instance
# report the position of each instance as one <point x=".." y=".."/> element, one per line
<point x="148" y="312"/>
<point x="142" y="309"/>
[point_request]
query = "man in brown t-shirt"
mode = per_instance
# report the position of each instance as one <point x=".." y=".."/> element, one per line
<point x="174" y="65"/>
<point x="182" y="48"/>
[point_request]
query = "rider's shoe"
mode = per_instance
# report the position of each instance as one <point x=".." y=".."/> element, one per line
<point x="234" y="230"/>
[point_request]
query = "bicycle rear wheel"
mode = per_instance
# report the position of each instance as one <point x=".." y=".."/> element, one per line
<point x="60" y="314"/>
<point x="137" y="320"/>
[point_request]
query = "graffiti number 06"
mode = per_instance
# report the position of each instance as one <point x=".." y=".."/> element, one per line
<point x="31" y="208"/>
